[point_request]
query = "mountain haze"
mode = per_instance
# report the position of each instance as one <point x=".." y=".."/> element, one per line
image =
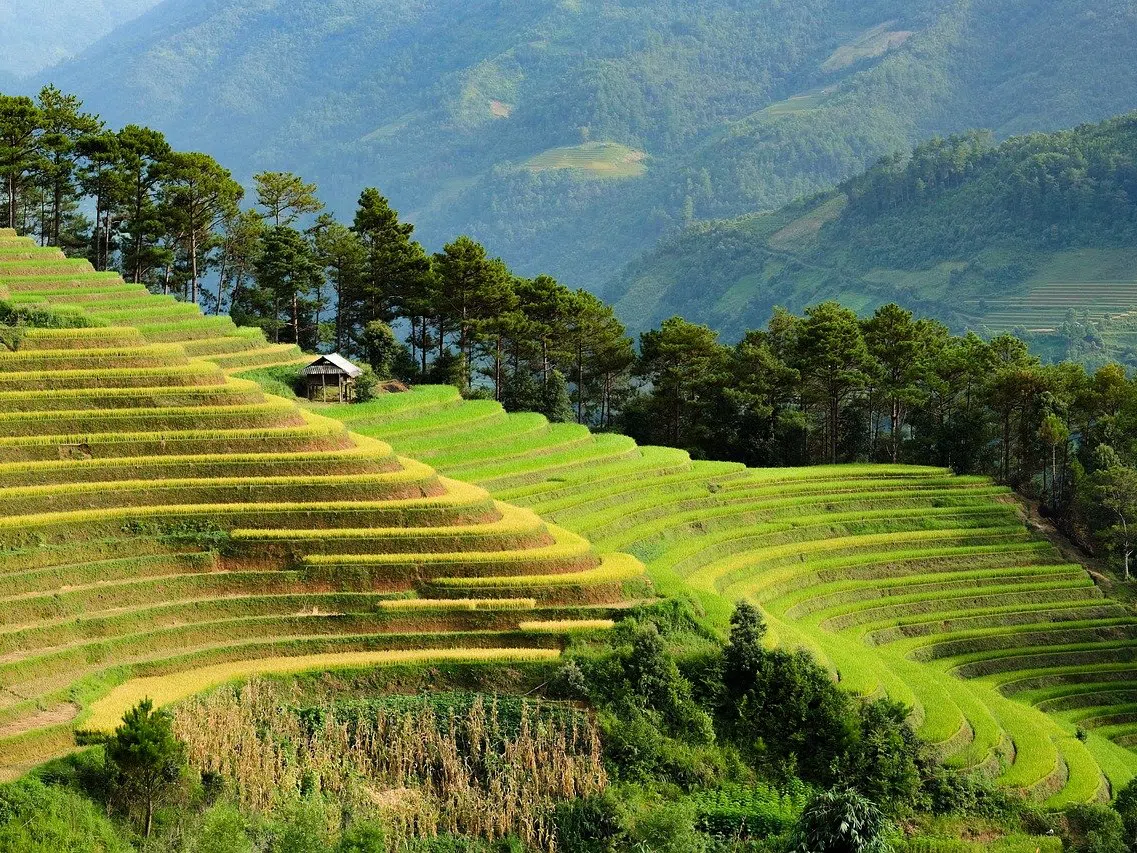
<point x="570" y="136"/>
<point x="35" y="34"/>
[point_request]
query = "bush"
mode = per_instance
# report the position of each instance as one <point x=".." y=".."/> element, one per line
<point x="37" y="818"/>
<point x="590" y="824"/>
<point x="363" y="837"/>
<point x="951" y="792"/>
<point x="742" y="811"/>
<point x="365" y="385"/>
<point x="1125" y="804"/>
<point x="1095" y="829"/>
<point x="222" y="830"/>
<point x="303" y="830"/>
<point x="841" y="821"/>
<point x="664" y="825"/>
<point x="886" y="761"/>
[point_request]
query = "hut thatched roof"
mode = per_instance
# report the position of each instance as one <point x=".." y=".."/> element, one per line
<point x="333" y="364"/>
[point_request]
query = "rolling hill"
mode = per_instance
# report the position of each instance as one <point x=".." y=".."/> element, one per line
<point x="1035" y="234"/>
<point x="457" y="109"/>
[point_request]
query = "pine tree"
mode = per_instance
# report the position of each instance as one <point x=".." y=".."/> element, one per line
<point x="288" y="271"/>
<point x="473" y="289"/>
<point x="397" y="268"/>
<point x="285" y="197"/>
<point x="201" y="194"/>
<point x="143" y="157"/>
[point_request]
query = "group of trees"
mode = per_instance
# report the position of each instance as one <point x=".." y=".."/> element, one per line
<point x="952" y="197"/>
<point x="175" y="222"/>
<point x="126" y="199"/>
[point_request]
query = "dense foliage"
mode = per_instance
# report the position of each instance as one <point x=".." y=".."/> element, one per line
<point x="831" y="387"/>
<point x="738" y="106"/>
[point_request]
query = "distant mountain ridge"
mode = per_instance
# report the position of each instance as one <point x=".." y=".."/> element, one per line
<point x="1008" y="237"/>
<point x="570" y="136"/>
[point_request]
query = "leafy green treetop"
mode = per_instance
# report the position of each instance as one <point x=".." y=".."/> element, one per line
<point x="285" y="197"/>
<point x="144" y="758"/>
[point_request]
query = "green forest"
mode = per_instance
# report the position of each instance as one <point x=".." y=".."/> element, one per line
<point x="734" y="108"/>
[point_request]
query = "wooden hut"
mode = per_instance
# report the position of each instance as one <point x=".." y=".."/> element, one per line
<point x="334" y="373"/>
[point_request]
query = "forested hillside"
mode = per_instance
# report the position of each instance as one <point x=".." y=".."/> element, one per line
<point x="572" y="135"/>
<point x="1034" y="235"/>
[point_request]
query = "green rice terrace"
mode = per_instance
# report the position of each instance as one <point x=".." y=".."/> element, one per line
<point x="167" y="527"/>
<point x="903" y="580"/>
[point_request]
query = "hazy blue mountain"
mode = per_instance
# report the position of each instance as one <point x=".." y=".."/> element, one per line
<point x="572" y="135"/>
<point x="1037" y="235"/>
<point x="35" y="34"/>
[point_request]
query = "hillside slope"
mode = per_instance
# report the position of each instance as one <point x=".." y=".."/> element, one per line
<point x="569" y="136"/>
<point x="997" y="237"/>
<point x="167" y="527"/>
<point x="901" y="579"/>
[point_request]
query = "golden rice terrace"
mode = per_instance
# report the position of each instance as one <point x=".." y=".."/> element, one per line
<point x="167" y="527"/>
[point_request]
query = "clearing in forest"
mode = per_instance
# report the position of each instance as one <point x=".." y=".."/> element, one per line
<point x="593" y="159"/>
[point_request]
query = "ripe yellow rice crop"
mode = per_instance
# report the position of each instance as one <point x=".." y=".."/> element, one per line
<point x="106" y="713"/>
<point x="613" y="568"/>
<point x="458" y="604"/>
<point x="559" y="626"/>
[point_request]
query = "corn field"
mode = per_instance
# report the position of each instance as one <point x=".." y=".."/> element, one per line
<point x="422" y="771"/>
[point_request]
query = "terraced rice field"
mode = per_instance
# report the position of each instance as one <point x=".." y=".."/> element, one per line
<point x="904" y="580"/>
<point x="166" y="525"/>
<point x="1046" y="307"/>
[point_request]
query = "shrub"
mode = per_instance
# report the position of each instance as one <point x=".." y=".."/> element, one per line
<point x="841" y="821"/>
<point x="741" y="811"/>
<point x="664" y="825"/>
<point x="365" y="385"/>
<point x="1095" y="829"/>
<point x="952" y="792"/>
<point x="1126" y="806"/>
<point x="363" y="837"/>
<point x="304" y="830"/>
<point x="791" y="717"/>
<point x="886" y="762"/>
<point x="590" y="824"/>
<point x="38" y="818"/>
<point x="222" y="830"/>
